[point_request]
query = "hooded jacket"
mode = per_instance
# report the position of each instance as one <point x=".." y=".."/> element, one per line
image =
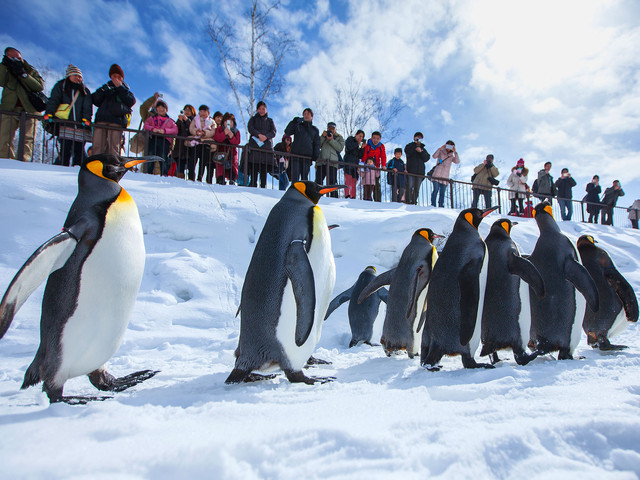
<point x="114" y="103"/>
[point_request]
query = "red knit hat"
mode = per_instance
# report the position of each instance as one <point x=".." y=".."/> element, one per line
<point x="520" y="163"/>
<point x="115" y="68"/>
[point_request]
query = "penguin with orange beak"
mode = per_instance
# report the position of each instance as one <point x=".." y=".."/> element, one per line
<point x="94" y="269"/>
<point x="287" y="288"/>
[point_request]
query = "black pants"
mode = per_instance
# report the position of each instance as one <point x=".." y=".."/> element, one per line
<point x="520" y="202"/>
<point x="68" y="148"/>
<point x="330" y="173"/>
<point x="254" y="170"/>
<point x="299" y="169"/>
<point x="607" y="215"/>
<point x="377" y="192"/>
<point x="476" y="196"/>
<point x="160" y="147"/>
<point x="593" y="215"/>
<point x="413" y="189"/>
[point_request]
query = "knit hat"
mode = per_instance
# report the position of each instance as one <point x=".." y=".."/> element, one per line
<point x="72" y="70"/>
<point x="115" y="68"/>
<point x="163" y="103"/>
<point x="331" y="124"/>
<point x="520" y="163"/>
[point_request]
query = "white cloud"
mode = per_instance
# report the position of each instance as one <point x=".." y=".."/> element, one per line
<point x="446" y="117"/>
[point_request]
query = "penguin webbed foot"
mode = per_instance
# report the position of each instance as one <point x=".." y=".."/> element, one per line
<point x="104" y="381"/>
<point x="523" y="358"/>
<point x="316" y="361"/>
<point x="299" y="377"/>
<point x="469" y="362"/>
<point x="564" y="354"/>
<point x="493" y="358"/>
<point x="606" y="346"/>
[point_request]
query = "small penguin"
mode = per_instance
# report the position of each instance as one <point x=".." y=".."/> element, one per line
<point x="94" y="269"/>
<point x="456" y="295"/>
<point x="361" y="316"/>
<point x="407" y="293"/>
<point x="287" y="288"/>
<point x="556" y="318"/>
<point x="618" y="300"/>
<point x="501" y="327"/>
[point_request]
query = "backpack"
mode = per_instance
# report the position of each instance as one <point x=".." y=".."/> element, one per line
<point x="534" y="188"/>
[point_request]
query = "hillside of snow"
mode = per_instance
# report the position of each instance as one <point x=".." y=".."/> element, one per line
<point x="380" y="417"/>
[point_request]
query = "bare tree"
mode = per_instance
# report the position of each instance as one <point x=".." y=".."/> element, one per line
<point x="251" y="63"/>
<point x="355" y="107"/>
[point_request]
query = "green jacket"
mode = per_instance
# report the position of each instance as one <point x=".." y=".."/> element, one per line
<point x="145" y="108"/>
<point x="331" y="148"/>
<point x="14" y="89"/>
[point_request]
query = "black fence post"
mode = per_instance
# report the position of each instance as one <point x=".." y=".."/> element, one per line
<point x="451" y="184"/>
<point x="499" y="200"/>
<point x="21" y="136"/>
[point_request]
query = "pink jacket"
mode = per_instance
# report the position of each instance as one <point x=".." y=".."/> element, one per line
<point x="221" y="137"/>
<point x="442" y="169"/>
<point x="368" y="176"/>
<point x="167" y="125"/>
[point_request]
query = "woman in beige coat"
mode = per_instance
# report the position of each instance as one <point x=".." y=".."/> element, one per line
<point x="517" y="184"/>
<point x="444" y="156"/>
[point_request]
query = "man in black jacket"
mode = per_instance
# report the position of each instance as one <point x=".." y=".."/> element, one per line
<point x="306" y="142"/>
<point x="609" y="201"/>
<point x="417" y="156"/>
<point x="260" y="160"/>
<point x="114" y="101"/>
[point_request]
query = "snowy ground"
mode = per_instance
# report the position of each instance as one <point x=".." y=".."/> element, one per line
<point x="382" y="416"/>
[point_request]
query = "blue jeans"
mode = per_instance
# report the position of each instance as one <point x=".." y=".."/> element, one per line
<point x="438" y="187"/>
<point x="565" y="205"/>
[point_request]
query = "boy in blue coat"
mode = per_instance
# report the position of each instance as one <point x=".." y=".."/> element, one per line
<point x="395" y="175"/>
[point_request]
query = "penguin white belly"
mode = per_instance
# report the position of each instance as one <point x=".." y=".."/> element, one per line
<point x="324" y="274"/>
<point x="576" y="328"/>
<point x="620" y="324"/>
<point x="475" y="339"/>
<point x="417" y="336"/>
<point x="109" y="283"/>
<point x="524" y="319"/>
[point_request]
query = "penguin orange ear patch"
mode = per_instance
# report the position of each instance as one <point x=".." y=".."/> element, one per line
<point x="95" y="167"/>
<point x="549" y="210"/>
<point x="505" y="225"/>
<point x="469" y="217"/>
<point x="301" y="187"/>
<point x="425" y="234"/>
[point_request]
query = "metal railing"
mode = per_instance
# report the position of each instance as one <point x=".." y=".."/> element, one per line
<point x="254" y="162"/>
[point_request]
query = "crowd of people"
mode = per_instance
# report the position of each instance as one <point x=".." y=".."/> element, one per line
<point x="200" y="146"/>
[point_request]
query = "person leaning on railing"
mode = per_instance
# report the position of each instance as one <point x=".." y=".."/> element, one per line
<point x="353" y="151"/>
<point x="201" y="128"/>
<point x="228" y="134"/>
<point x="482" y="184"/>
<point x="518" y="188"/>
<point x="417" y="157"/>
<point x="593" y="198"/>
<point x="445" y="156"/>
<point x="564" y="186"/>
<point x="182" y="149"/>
<point x="262" y="131"/>
<point x="160" y="125"/>
<point x="609" y="200"/>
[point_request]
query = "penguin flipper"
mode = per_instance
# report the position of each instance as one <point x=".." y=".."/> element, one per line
<point x="625" y="292"/>
<point x="383" y="294"/>
<point x="300" y="273"/>
<point x="527" y="272"/>
<point x="48" y="258"/>
<point x="422" y="277"/>
<point x="377" y="283"/>
<point x="339" y="300"/>
<point x="575" y="273"/>
<point x="469" y="281"/>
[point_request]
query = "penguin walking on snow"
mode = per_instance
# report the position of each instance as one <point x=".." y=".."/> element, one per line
<point x="556" y="318"/>
<point x="407" y="293"/>
<point x="287" y="288"/>
<point x="361" y="316"/>
<point x="618" y="302"/>
<point x="502" y="325"/>
<point x="94" y="269"/>
<point x="456" y="295"/>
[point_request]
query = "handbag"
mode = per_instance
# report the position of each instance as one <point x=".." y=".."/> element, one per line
<point x="38" y="100"/>
<point x="64" y="109"/>
<point x="137" y="142"/>
<point x="430" y="173"/>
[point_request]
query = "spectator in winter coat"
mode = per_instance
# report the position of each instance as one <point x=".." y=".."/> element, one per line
<point x="260" y="156"/>
<point x="518" y="188"/>
<point x="353" y="151"/>
<point x="396" y="176"/>
<point x="284" y="166"/>
<point x="306" y="142"/>
<point x="609" y="201"/>
<point x="375" y="148"/>
<point x="546" y="188"/>
<point x="634" y="213"/>
<point x="71" y="93"/>
<point x="593" y="198"/>
<point x="331" y="144"/>
<point x="201" y="127"/>
<point x="228" y="134"/>
<point x="417" y="157"/>
<point x="148" y="106"/>
<point x="445" y="156"/>
<point x="563" y="187"/>
<point x="182" y="150"/>
<point x="17" y="79"/>
<point x="482" y="183"/>
<point x="368" y="176"/>
<point x="114" y="101"/>
<point x="160" y="125"/>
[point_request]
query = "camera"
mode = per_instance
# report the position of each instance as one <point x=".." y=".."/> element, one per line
<point x="181" y="112"/>
<point x="228" y="123"/>
<point x="329" y="134"/>
<point x="449" y="147"/>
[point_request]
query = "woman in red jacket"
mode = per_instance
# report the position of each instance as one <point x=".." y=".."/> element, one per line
<point x="227" y="156"/>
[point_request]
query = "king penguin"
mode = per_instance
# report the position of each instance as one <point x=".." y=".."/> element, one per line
<point x="555" y="324"/>
<point x="407" y="293"/>
<point x="287" y="288"/>
<point x="94" y="269"/>
<point x="501" y="320"/>
<point x="455" y="295"/>
<point x="618" y="302"/>
<point x="361" y="316"/>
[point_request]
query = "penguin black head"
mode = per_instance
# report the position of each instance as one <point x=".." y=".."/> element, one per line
<point x="474" y="216"/>
<point x="371" y="269"/>
<point x="427" y="233"/>
<point x="313" y="191"/>
<point x="543" y="208"/>
<point x="503" y="225"/>
<point x="586" y="241"/>
<point x="113" y="167"/>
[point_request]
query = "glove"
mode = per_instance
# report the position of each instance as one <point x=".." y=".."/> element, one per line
<point x="48" y="118"/>
<point x="86" y="122"/>
<point x="17" y="67"/>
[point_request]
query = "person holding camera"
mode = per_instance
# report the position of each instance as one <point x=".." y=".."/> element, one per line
<point x="609" y="200"/>
<point x="331" y="144"/>
<point x="17" y="79"/>
<point x="228" y="134"/>
<point x="445" y="156"/>
<point x="353" y="152"/>
<point x="484" y="178"/>
<point x="517" y="185"/>
<point x="306" y="142"/>
<point x="182" y="147"/>
<point x="114" y="101"/>
<point x="417" y="157"/>
<point x="544" y="186"/>
<point x="375" y="148"/>
<point x="593" y="199"/>
<point x="563" y="188"/>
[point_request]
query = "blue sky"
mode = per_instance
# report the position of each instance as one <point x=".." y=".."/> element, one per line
<point x="542" y="80"/>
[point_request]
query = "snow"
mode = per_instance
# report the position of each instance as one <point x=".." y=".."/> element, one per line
<point x="381" y="416"/>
